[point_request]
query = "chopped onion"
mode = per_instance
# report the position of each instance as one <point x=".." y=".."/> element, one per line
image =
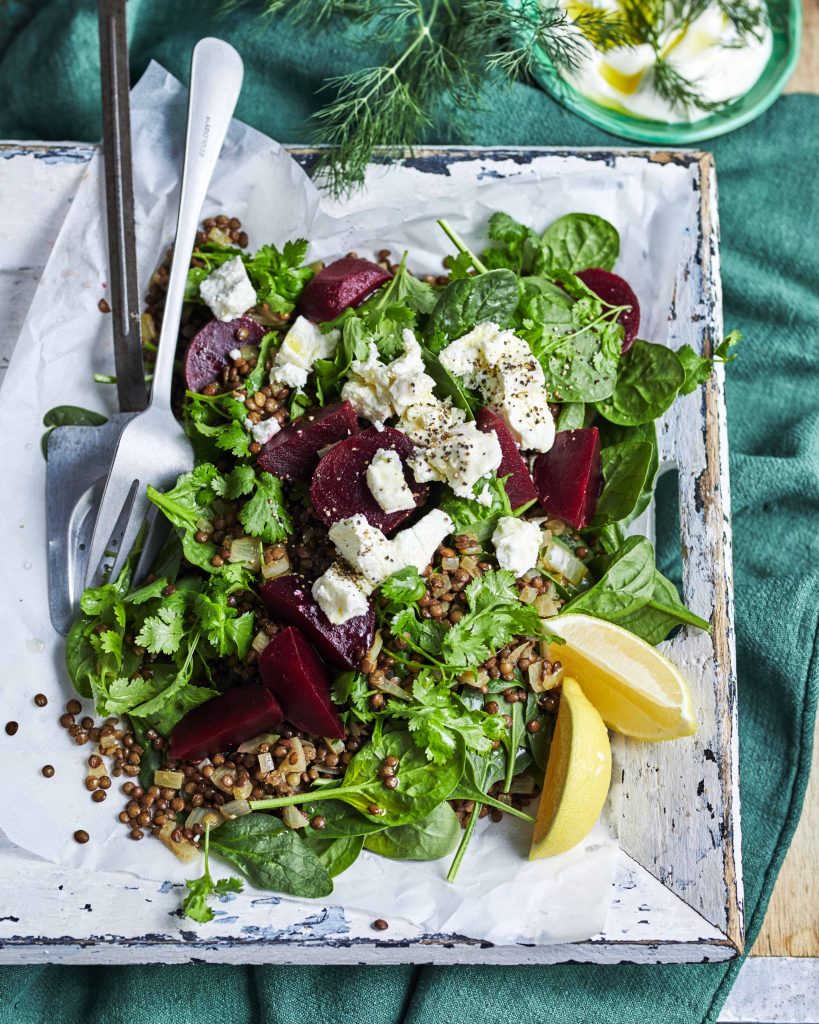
<point x="546" y="606"/>
<point x="524" y="650"/>
<point x="243" y="792"/>
<point x="557" y="526"/>
<point x="249" y="351"/>
<point x="218" y="779"/>
<point x="235" y="809"/>
<point x="559" y="559"/>
<point x="204" y="524"/>
<point x="204" y="816"/>
<point x="148" y="328"/>
<point x="246" y="551"/>
<point x="300" y="764"/>
<point x="261" y="640"/>
<point x="293" y="818"/>
<point x="540" y="680"/>
<point x="270" y="570"/>
<point x="442" y="585"/>
<point x="470" y="565"/>
<point x="528" y="595"/>
<point x="524" y="784"/>
<point x="168" y="780"/>
<point x="375" y="650"/>
<point x="266" y="763"/>
<point x="337" y="746"/>
<point x="391" y="687"/>
<point x="186" y="851"/>
<point x="108" y="743"/>
<point x="252" y="745"/>
<point x="450" y="564"/>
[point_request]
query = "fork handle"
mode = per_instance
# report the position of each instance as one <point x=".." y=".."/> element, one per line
<point x="216" y="79"/>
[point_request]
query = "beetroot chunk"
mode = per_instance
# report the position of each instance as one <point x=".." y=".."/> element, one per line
<point x="339" y="488"/>
<point x="519" y="486"/>
<point x="292" y="670"/>
<point x="347" y="282"/>
<point x="613" y="289"/>
<point x="224" y="722"/>
<point x="569" y="476"/>
<point x="293" y="453"/>
<point x="207" y="354"/>
<point x="289" y="599"/>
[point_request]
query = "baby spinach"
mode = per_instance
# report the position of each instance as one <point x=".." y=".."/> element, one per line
<point x="661" y="613"/>
<point x="464" y="303"/>
<point x="422" y="784"/>
<point x="341" y="821"/>
<point x="518" y="246"/>
<point x="481" y="771"/>
<point x="648" y="382"/>
<point x="152" y="759"/>
<point x="432" y="837"/>
<point x="469" y="515"/>
<point x="68" y="416"/>
<point x="579" y="241"/>
<point x="512" y="738"/>
<point x="336" y="854"/>
<point x="572" y="416"/>
<point x="626" y="585"/>
<point x="611" y="434"/>
<point x="625" y="469"/>
<point x="272" y="856"/>
<point x="448" y="385"/>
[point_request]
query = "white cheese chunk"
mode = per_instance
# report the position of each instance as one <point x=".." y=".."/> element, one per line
<point x="228" y="291"/>
<point x="235" y="353"/>
<point x="339" y="596"/>
<point x="378" y="390"/>
<point x="303" y="344"/>
<point x="503" y="368"/>
<point x="517" y="544"/>
<point x="365" y="548"/>
<point x="415" y="545"/>
<point x="262" y="432"/>
<point x="385" y="478"/>
<point x="460" y="457"/>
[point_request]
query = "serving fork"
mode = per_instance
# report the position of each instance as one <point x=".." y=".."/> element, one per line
<point x="153" y="447"/>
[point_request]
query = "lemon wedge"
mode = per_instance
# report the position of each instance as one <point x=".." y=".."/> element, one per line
<point x="577" y="779"/>
<point x="637" y="691"/>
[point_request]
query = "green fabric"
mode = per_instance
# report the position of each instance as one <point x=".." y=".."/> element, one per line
<point x="769" y="210"/>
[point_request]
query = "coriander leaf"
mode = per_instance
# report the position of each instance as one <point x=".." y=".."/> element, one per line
<point x="518" y="245"/>
<point x="495" y="616"/>
<point x="162" y="633"/>
<point x="241" y="480"/>
<point x="403" y="589"/>
<point x="471" y="516"/>
<point x="432" y="837"/>
<point x="625" y="469"/>
<point x="195" y="904"/>
<point x="89" y="665"/>
<point x="424" y="635"/>
<point x="225" y="630"/>
<point x="216" y="423"/>
<point x="265" y="514"/>
<point x="185" y="505"/>
<point x="350" y="690"/>
<point x="698" y="368"/>
<point x="648" y="382"/>
<point x="149" y="592"/>
<point x="257" y="377"/>
<point x="272" y="856"/>
<point x="277" y="276"/>
<point x="579" y="241"/>
<point x="164" y="709"/>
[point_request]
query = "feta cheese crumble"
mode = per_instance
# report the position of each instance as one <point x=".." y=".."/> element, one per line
<point x="372" y="558"/>
<point x="517" y="544"/>
<point x="262" y="432"/>
<point x="302" y="346"/>
<point x="339" y="596"/>
<point x="228" y="291"/>
<point x="451" y="450"/>
<point x="385" y="478"/>
<point x="503" y="368"/>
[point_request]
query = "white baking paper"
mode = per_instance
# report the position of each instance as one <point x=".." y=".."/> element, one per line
<point x="500" y="896"/>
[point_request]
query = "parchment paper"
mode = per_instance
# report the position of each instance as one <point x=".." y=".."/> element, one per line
<point x="500" y="896"/>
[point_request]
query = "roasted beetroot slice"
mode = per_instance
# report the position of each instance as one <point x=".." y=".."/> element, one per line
<point x="207" y="354"/>
<point x="519" y="487"/>
<point x="347" y="282"/>
<point x="295" y="674"/>
<point x="289" y="599"/>
<point x="569" y="476"/>
<point x="613" y="289"/>
<point x="293" y="453"/>
<point x="224" y="722"/>
<point x="339" y="488"/>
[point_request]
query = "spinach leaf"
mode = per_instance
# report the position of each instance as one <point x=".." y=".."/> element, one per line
<point x="448" y="385"/>
<point x="572" y="416"/>
<point x="625" y="469"/>
<point x="626" y="585"/>
<point x="540" y="742"/>
<point x="152" y="759"/>
<point x="272" y="856"/>
<point x="512" y="738"/>
<point x="340" y="821"/>
<point x="335" y="854"/>
<point x="579" y="241"/>
<point x="69" y="416"/>
<point x="661" y="613"/>
<point x="482" y="771"/>
<point x="432" y="837"/>
<point x="648" y="382"/>
<point x="463" y="304"/>
<point x="611" y="434"/>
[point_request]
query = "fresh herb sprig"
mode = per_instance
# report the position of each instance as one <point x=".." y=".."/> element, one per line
<point x="201" y="890"/>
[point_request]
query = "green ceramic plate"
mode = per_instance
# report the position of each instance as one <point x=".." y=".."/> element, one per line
<point x="787" y="35"/>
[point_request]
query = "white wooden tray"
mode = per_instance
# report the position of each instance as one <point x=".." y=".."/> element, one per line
<point x="678" y="890"/>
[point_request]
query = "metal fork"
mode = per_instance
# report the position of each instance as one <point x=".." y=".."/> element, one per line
<point x="153" y="448"/>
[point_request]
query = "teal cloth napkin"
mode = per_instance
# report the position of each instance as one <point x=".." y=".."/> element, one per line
<point x="769" y="211"/>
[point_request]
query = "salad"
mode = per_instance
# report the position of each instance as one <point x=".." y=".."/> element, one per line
<point x="398" y="593"/>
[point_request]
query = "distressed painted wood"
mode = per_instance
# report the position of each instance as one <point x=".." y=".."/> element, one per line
<point x="678" y="893"/>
